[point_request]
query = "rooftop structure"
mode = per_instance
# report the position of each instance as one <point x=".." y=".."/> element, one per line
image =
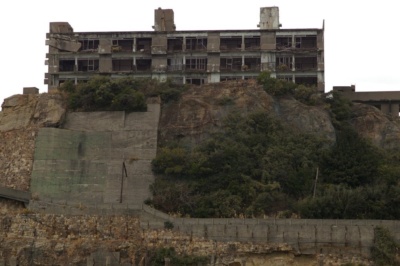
<point x="195" y="57"/>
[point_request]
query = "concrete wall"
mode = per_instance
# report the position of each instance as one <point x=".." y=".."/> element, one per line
<point x="85" y="162"/>
<point x="306" y="236"/>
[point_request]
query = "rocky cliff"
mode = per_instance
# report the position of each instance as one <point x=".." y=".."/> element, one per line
<point x="190" y="120"/>
<point x="201" y="110"/>
<point x="38" y="239"/>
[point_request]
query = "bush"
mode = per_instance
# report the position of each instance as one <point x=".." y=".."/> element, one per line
<point x="168" y="225"/>
<point x="385" y="250"/>
<point x="276" y="87"/>
<point x="123" y="94"/>
<point x="251" y="167"/>
<point x="158" y="256"/>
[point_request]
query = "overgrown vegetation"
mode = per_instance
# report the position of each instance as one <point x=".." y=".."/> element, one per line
<point x="385" y="250"/>
<point x="102" y="93"/>
<point x="160" y="255"/>
<point x="278" y="87"/>
<point x="256" y="167"/>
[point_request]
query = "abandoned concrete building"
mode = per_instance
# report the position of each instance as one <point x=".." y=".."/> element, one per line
<point x="386" y="101"/>
<point x="194" y="57"/>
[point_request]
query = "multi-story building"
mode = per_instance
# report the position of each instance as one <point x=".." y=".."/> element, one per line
<point x="194" y="57"/>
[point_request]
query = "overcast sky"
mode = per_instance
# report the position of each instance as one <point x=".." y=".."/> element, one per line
<point x="361" y="39"/>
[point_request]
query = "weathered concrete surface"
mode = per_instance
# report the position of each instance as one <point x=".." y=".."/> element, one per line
<point x="98" y="157"/>
<point x="304" y="236"/>
<point x="37" y="239"/>
<point x="18" y="195"/>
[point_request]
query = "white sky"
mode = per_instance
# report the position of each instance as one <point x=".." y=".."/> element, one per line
<point x="360" y="39"/>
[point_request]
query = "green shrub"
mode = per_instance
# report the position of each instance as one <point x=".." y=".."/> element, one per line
<point x="158" y="256"/>
<point x="168" y="225"/>
<point x="385" y="250"/>
<point x="123" y="94"/>
<point x="276" y="87"/>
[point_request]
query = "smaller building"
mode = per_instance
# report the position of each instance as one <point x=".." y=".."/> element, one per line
<point x="387" y="101"/>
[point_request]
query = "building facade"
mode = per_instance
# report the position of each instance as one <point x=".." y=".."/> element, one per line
<point x="195" y="57"/>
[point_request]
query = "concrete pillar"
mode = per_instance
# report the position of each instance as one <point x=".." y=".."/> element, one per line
<point x="134" y="45"/>
<point x="167" y="261"/>
<point x="385" y="108"/>
<point x="394" y="109"/>
<point x="293" y="63"/>
<point x="243" y="46"/>
<point x="293" y="41"/>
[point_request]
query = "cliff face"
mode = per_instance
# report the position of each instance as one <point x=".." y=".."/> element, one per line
<point x="383" y="131"/>
<point x="201" y="111"/>
<point x="20" y="119"/>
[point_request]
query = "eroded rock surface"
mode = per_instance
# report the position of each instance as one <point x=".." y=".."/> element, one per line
<point x="201" y="110"/>
<point x="20" y="119"/>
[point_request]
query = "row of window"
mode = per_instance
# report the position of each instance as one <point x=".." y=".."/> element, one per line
<point x="180" y="44"/>
<point x="306" y="80"/>
<point x="283" y="63"/>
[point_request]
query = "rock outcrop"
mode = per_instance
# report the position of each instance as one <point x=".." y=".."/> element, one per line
<point x="20" y="119"/>
<point x="201" y="110"/>
<point x="382" y="130"/>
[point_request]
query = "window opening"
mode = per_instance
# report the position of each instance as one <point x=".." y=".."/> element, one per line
<point x="67" y="65"/>
<point x="88" y="65"/>
<point x="143" y="64"/>
<point x="196" y="63"/>
<point x="175" y="64"/>
<point x="234" y="43"/>
<point x="229" y="78"/>
<point x="175" y="44"/>
<point x="252" y="63"/>
<point x="196" y="44"/>
<point x="143" y="45"/>
<point x="89" y="45"/>
<point x="306" y="42"/>
<point x="283" y="42"/>
<point x="284" y="63"/>
<point x="252" y="43"/>
<point x="306" y="63"/>
<point x="122" y="64"/>
<point x="308" y="81"/>
<point x="122" y="45"/>
<point x="195" y="81"/>
<point x="231" y="63"/>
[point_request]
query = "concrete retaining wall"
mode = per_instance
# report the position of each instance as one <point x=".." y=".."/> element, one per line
<point x="305" y="236"/>
<point x="98" y="157"/>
